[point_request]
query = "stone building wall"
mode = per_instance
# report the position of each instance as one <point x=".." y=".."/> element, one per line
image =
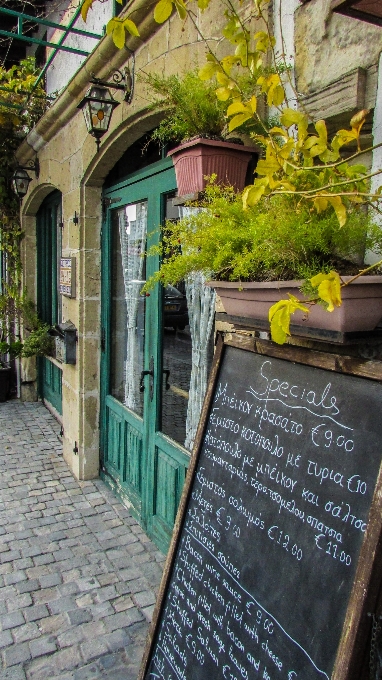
<point x="327" y="47"/>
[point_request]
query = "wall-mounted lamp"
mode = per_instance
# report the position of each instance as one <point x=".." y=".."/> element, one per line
<point x="97" y="107"/>
<point x="98" y="103"/>
<point x="21" y="179"/>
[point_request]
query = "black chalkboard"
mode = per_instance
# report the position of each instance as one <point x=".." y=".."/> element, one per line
<point x="271" y="534"/>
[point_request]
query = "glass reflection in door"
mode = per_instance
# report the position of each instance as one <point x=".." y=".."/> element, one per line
<point x="129" y="229"/>
<point x="188" y="316"/>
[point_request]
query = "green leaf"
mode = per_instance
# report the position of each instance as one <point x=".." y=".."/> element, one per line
<point x="278" y="131"/>
<point x="222" y="79"/>
<point x="252" y="194"/>
<point x="119" y="35"/>
<point x="236" y="107"/>
<point x="85" y="8"/>
<point x="322" y="131"/>
<point x="223" y="93"/>
<point x="267" y="166"/>
<point x="291" y="117"/>
<point x="203" y="4"/>
<point x="162" y="11"/>
<point x="131" y="27"/>
<point x="276" y="96"/>
<point x="181" y="9"/>
<point x="339" y="208"/>
<point x="320" y="203"/>
<point x="238" y="120"/>
<point x="329" y="289"/>
<point x="279" y="317"/>
<point x="208" y="70"/>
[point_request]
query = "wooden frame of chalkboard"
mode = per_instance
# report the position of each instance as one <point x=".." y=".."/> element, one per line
<point x="275" y="565"/>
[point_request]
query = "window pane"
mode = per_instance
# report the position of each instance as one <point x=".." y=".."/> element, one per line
<point x="129" y="227"/>
<point x="188" y="316"/>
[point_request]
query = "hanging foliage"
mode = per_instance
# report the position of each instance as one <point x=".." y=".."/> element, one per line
<point x="21" y="105"/>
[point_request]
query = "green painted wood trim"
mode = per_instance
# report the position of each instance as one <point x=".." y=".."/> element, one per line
<point x="146" y="173"/>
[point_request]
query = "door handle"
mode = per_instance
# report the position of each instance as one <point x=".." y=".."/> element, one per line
<point x="167" y="374"/>
<point x="141" y="385"/>
<point x="150" y="372"/>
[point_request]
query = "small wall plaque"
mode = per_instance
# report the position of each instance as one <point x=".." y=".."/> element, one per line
<point x="68" y="276"/>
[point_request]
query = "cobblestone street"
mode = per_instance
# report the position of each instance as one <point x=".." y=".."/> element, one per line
<point x="78" y="577"/>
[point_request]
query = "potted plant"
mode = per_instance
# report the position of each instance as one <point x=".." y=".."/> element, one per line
<point x="196" y="118"/>
<point x="260" y="254"/>
<point x="14" y="309"/>
<point x="308" y="214"/>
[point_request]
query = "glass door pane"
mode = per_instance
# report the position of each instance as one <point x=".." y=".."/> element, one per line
<point x="187" y="346"/>
<point x="129" y="229"/>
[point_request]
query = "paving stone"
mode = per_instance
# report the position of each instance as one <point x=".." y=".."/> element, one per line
<point x="144" y="598"/>
<point x="93" y="649"/>
<point x="19" y="602"/>
<point x="67" y="658"/>
<point x="16" y="654"/>
<point x="41" y="668"/>
<point x="122" y="619"/>
<point x="79" y="616"/>
<point x="62" y="604"/>
<point x="39" y="611"/>
<point x="117" y="639"/>
<point x="88" y="583"/>
<point x="88" y="672"/>
<point x="12" y="620"/>
<point x="5" y="639"/>
<point x="49" y="580"/>
<point x="13" y="673"/>
<point x="78" y="576"/>
<point x="25" y="633"/>
<point x="53" y="624"/>
<point x="46" y="595"/>
<point x="43" y="646"/>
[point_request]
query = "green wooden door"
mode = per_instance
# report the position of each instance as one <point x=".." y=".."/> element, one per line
<point x="48" y="237"/>
<point x="143" y="458"/>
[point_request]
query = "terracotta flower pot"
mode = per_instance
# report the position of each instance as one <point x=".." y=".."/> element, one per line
<point x="361" y="307"/>
<point x="200" y="157"/>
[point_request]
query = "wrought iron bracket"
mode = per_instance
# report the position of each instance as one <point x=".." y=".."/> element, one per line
<point x="120" y="80"/>
<point x="32" y="165"/>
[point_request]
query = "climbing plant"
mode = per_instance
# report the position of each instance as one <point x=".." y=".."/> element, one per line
<point x="21" y="104"/>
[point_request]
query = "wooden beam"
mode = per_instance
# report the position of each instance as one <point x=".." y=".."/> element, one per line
<point x="345" y="95"/>
<point x="365" y="10"/>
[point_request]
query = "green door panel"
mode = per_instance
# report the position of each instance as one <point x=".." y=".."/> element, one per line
<point x="144" y="467"/>
<point x="170" y="467"/>
<point x="123" y="453"/>
<point x="48" y="239"/>
<point x="50" y="383"/>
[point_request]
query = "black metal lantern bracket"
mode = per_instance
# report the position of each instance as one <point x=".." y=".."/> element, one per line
<point x="120" y="80"/>
<point x="31" y="165"/>
<point x="21" y="179"/>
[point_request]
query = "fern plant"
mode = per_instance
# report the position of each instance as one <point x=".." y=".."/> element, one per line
<point x="189" y="105"/>
<point x="279" y="239"/>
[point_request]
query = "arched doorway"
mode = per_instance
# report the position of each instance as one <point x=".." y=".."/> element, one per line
<point x="148" y="354"/>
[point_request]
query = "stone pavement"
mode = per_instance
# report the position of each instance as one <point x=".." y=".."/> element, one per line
<point x="78" y="577"/>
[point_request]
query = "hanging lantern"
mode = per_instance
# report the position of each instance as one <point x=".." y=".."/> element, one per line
<point x="20" y="182"/>
<point x="97" y="107"/>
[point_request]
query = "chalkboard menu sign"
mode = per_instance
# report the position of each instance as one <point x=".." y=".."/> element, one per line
<point x="278" y="506"/>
